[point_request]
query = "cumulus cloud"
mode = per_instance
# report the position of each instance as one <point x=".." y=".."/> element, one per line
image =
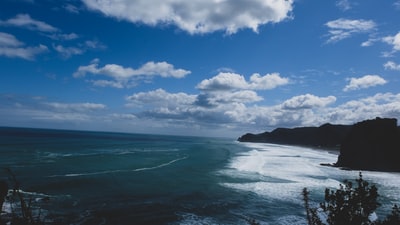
<point x="379" y="105"/>
<point x="394" y="41"/>
<point x="212" y="99"/>
<point x="160" y="98"/>
<point x="197" y="16"/>
<point x="364" y="82"/>
<point x="236" y="109"/>
<point x="212" y="108"/>
<point x="231" y="81"/>
<point x="25" y="21"/>
<point x="124" y="76"/>
<point x="11" y="47"/>
<point x="344" y="28"/>
<point x="307" y="101"/>
<point x="233" y="112"/>
<point x="390" y="65"/>
<point x="229" y="108"/>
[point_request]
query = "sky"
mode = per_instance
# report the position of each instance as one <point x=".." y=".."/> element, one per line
<point x="197" y="67"/>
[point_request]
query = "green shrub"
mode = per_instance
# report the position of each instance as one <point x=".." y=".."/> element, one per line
<point x="349" y="205"/>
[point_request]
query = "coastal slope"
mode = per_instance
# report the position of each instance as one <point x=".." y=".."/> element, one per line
<point x="367" y="145"/>
<point x="325" y="136"/>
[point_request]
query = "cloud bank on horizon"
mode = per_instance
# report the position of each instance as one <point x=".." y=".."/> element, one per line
<point x="200" y="67"/>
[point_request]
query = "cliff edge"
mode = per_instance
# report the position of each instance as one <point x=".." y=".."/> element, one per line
<point x="367" y="145"/>
<point x="372" y="145"/>
<point x="326" y="136"/>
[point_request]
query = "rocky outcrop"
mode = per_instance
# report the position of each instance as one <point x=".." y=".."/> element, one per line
<point x="367" y="145"/>
<point x="325" y="136"/>
<point x="372" y="145"/>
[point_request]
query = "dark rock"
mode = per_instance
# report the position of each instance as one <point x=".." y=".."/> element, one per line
<point x="367" y="145"/>
<point x="325" y="136"/>
<point x="372" y="145"/>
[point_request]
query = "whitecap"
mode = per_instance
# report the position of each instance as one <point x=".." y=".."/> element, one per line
<point x="120" y="171"/>
<point x="281" y="172"/>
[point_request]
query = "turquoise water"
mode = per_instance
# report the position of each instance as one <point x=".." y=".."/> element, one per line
<point x="115" y="178"/>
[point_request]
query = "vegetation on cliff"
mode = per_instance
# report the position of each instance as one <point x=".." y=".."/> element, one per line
<point x="367" y="145"/>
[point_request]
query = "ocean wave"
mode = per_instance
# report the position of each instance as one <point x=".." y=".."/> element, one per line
<point x="280" y="172"/>
<point x="57" y="155"/>
<point x="120" y="171"/>
<point x="190" y="218"/>
<point x="291" y="220"/>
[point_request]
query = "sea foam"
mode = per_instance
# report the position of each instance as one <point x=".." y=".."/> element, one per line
<point x="281" y="172"/>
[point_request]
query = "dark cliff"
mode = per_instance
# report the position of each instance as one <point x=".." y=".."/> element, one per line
<point x="372" y="145"/>
<point x="325" y="136"/>
<point x="367" y="145"/>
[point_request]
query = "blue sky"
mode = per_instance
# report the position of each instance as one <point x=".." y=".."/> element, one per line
<point x="198" y="67"/>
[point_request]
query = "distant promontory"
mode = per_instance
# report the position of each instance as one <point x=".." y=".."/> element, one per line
<point x="367" y="145"/>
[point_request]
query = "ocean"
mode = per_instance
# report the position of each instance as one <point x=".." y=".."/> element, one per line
<point x="81" y="177"/>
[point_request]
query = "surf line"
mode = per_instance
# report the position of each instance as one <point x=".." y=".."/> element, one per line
<point x="160" y="166"/>
<point x="121" y="171"/>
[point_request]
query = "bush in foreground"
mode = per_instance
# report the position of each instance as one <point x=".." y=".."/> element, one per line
<point x="349" y="205"/>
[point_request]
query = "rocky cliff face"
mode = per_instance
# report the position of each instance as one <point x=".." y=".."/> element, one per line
<point x="367" y="145"/>
<point x="325" y="136"/>
<point x="372" y="145"/>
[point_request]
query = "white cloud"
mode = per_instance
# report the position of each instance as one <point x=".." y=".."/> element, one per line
<point x="394" y="41"/>
<point x="370" y="42"/>
<point x="9" y="40"/>
<point x="71" y="8"/>
<point x="60" y="36"/>
<point x="162" y="112"/>
<point x="343" y="5"/>
<point x="266" y="82"/>
<point x="161" y="98"/>
<point x="124" y="76"/>
<point x="37" y="112"/>
<point x="163" y="69"/>
<point x="209" y="108"/>
<point x="307" y="101"/>
<point x="390" y="65"/>
<point x="25" y="21"/>
<point x="344" y="28"/>
<point x="79" y="107"/>
<point x="107" y="83"/>
<point x="231" y="81"/>
<point x="245" y="96"/>
<point x="67" y="52"/>
<point x="364" y="82"/>
<point x="215" y="99"/>
<point x="11" y="47"/>
<point x="224" y="81"/>
<point x="198" y="16"/>
<point x="379" y="105"/>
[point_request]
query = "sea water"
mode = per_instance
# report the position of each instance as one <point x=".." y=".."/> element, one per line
<point x="80" y="177"/>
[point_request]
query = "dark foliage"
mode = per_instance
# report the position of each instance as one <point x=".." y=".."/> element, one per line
<point x="23" y="214"/>
<point x="349" y="205"/>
